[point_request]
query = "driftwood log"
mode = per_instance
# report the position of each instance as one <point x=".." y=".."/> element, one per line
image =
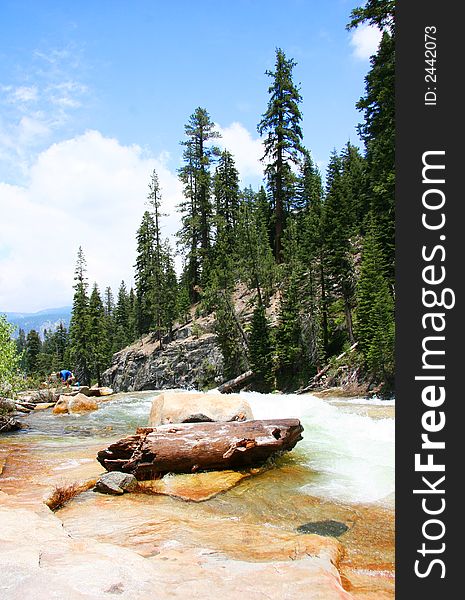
<point x="191" y="447"/>
<point x="237" y="382"/>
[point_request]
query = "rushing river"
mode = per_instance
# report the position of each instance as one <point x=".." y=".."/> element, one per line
<point x="343" y="470"/>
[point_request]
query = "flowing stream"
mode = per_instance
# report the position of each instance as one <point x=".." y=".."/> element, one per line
<point x="342" y="471"/>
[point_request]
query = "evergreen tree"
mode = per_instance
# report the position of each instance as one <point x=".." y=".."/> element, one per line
<point x="226" y="190"/>
<point x="145" y="275"/>
<point x="33" y="348"/>
<point x="336" y="232"/>
<point x="375" y="310"/>
<point x="261" y="350"/>
<point x="121" y="319"/>
<point x="170" y="290"/>
<point x="378" y="129"/>
<point x="231" y="338"/>
<point x="197" y="210"/>
<point x="109" y="308"/>
<point x="156" y="278"/>
<point x="283" y="143"/>
<point x="290" y="353"/>
<point x="257" y="264"/>
<point x="97" y="340"/>
<point x="309" y="186"/>
<point x="79" y="324"/>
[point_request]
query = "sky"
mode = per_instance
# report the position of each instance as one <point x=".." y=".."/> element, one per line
<point x="95" y="95"/>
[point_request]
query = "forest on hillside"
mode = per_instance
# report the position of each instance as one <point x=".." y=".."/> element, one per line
<point x="326" y="249"/>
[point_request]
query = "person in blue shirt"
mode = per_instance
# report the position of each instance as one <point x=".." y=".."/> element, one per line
<point x="65" y="376"/>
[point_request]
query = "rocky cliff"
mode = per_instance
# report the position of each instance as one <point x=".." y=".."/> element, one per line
<point x="190" y="359"/>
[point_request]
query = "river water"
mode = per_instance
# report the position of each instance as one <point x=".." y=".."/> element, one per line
<point x="343" y="470"/>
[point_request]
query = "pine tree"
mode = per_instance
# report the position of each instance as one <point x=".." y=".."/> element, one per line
<point x="144" y="275"/>
<point x="121" y="319"/>
<point x="309" y="187"/>
<point x="109" y="308"/>
<point x="156" y="276"/>
<point x="79" y="324"/>
<point x="283" y="143"/>
<point x="170" y="290"/>
<point x="195" y="235"/>
<point x="336" y="232"/>
<point x="375" y="309"/>
<point x="261" y="350"/>
<point x="32" y="352"/>
<point x="226" y="191"/>
<point x="255" y="256"/>
<point x="231" y="338"/>
<point x="378" y="129"/>
<point x="290" y="353"/>
<point x="97" y="340"/>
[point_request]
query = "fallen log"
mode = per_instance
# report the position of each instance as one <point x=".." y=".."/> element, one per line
<point x="236" y="383"/>
<point x="320" y="374"/>
<point x="191" y="447"/>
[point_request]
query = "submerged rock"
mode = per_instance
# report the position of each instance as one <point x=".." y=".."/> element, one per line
<point x="195" y="407"/>
<point x="115" y="483"/>
<point x="327" y="528"/>
<point x="196" y="487"/>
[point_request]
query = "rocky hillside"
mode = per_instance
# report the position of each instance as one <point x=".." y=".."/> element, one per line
<point x="192" y="359"/>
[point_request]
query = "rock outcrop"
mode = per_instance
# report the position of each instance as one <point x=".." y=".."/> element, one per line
<point x="195" y="407"/>
<point x="188" y="361"/>
<point x="190" y="358"/>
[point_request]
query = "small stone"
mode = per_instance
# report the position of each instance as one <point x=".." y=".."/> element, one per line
<point x="327" y="528"/>
<point x="115" y="483"/>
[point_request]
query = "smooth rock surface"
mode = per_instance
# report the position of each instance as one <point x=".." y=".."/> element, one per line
<point x="191" y="407"/>
<point x="39" y="560"/>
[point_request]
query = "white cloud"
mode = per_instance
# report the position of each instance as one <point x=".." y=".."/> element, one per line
<point x="247" y="151"/>
<point x="88" y="191"/>
<point x="364" y="41"/>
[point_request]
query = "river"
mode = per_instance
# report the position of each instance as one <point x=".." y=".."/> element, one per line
<point x="342" y="472"/>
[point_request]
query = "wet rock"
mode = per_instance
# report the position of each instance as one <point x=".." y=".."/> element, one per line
<point x="115" y="483"/>
<point x="44" y="405"/>
<point x="8" y="423"/>
<point x="196" y="487"/>
<point x="195" y="407"/>
<point x="329" y="528"/>
<point x="74" y="404"/>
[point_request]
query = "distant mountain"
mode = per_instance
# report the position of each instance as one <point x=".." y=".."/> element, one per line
<point x="48" y="319"/>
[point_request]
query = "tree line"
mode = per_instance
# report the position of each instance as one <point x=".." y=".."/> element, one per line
<point x="324" y="249"/>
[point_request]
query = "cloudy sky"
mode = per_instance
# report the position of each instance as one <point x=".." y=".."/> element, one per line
<point x="95" y="95"/>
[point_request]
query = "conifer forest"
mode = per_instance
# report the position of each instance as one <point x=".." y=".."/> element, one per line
<point x="318" y="246"/>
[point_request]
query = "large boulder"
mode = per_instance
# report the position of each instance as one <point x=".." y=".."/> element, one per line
<point x="74" y="404"/>
<point x="195" y="407"/>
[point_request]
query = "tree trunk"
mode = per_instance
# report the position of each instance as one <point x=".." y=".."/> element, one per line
<point x="187" y="448"/>
<point x="236" y="383"/>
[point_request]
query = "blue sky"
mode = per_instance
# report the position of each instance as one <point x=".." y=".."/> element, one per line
<point x="94" y="95"/>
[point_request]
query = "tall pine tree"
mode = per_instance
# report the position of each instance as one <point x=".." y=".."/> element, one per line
<point x="79" y="324"/>
<point x="283" y="141"/>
